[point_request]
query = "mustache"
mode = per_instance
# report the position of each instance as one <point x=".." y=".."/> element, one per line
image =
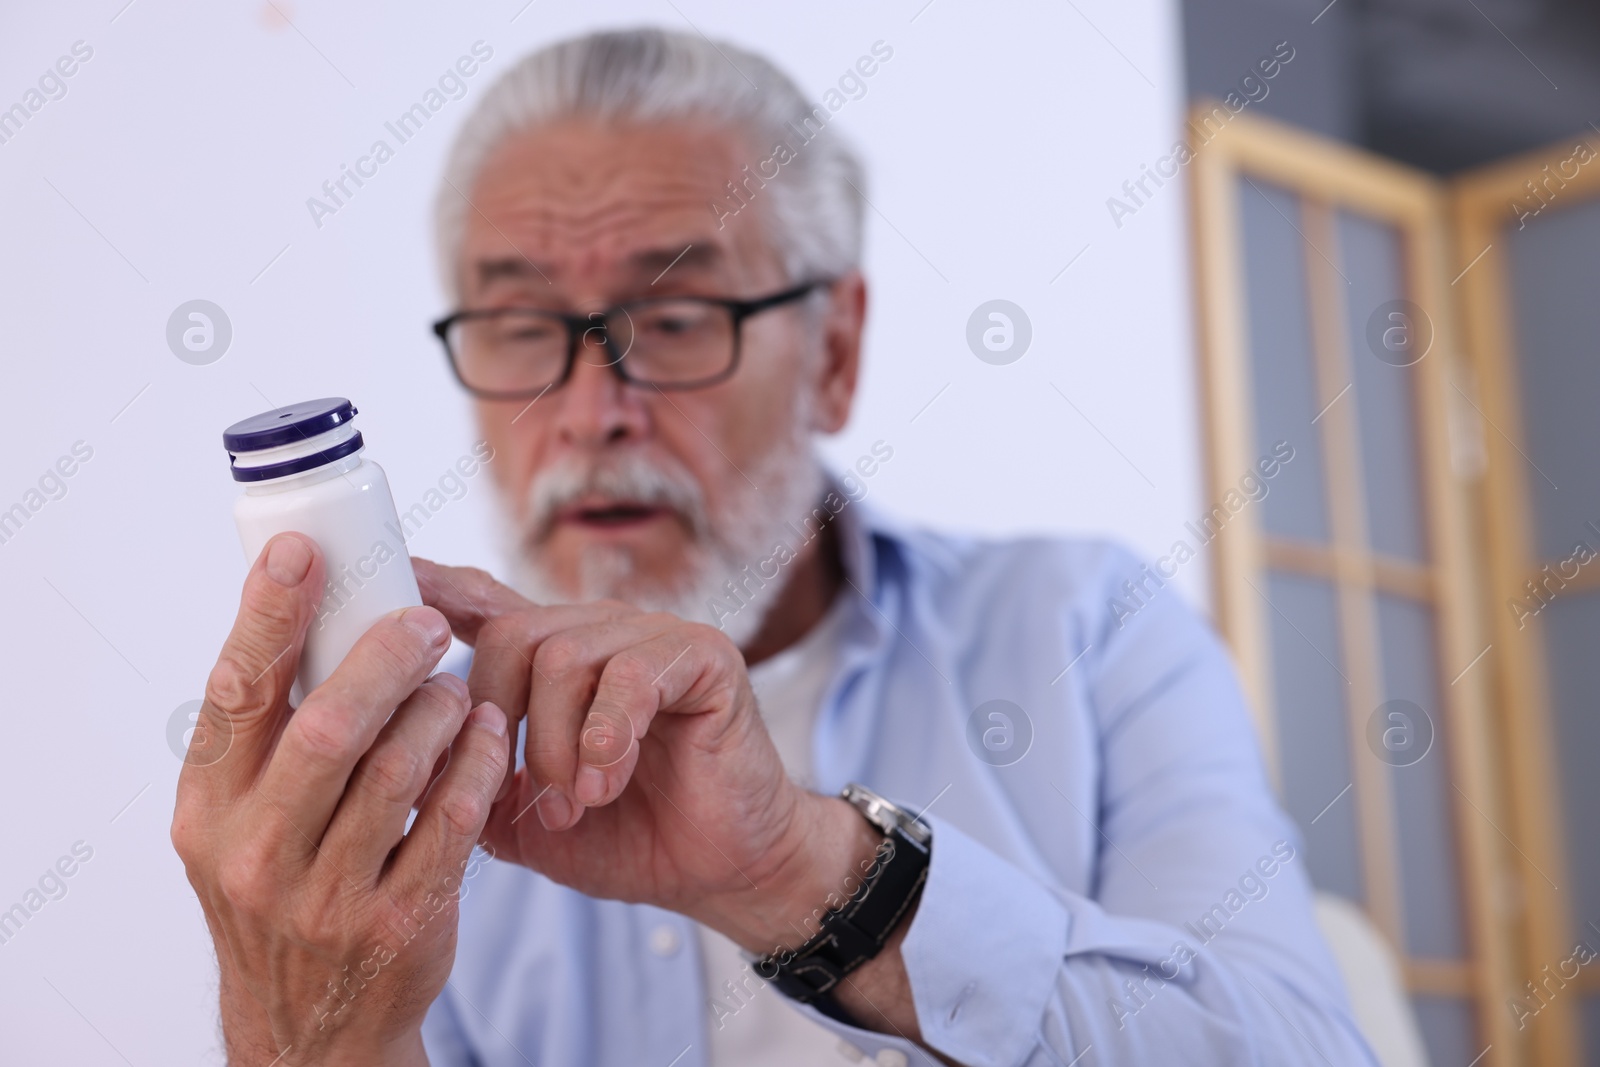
<point x="627" y="477"/>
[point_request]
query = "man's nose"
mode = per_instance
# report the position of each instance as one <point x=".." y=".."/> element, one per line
<point x="595" y="406"/>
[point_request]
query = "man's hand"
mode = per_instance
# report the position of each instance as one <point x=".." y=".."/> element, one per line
<point x="334" y="927"/>
<point x="649" y="774"/>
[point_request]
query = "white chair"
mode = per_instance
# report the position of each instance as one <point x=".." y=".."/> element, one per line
<point x="1372" y="978"/>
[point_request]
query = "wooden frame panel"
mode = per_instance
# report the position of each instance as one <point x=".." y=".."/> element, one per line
<point x="1327" y="177"/>
<point x="1481" y="209"/>
<point x="1227" y="394"/>
<point x="1347" y="519"/>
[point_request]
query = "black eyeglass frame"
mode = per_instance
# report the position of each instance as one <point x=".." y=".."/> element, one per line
<point x="579" y="325"/>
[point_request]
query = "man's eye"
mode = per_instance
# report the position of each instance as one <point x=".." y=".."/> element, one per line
<point x="525" y="333"/>
<point x="672" y="323"/>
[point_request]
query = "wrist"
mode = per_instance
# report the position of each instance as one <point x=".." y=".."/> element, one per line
<point x="247" y="1031"/>
<point x="827" y="852"/>
<point x="402" y="1052"/>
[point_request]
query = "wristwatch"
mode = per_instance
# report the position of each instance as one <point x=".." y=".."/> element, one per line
<point x="855" y="932"/>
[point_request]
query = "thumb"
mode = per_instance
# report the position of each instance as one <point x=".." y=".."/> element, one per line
<point x="249" y="687"/>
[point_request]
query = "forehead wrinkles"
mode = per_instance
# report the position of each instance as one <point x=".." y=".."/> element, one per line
<point x="586" y="208"/>
<point x="586" y="235"/>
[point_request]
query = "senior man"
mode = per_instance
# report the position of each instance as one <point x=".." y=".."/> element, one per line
<point x="803" y="835"/>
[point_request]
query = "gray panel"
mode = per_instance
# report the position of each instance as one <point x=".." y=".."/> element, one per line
<point x="1281" y="372"/>
<point x="1447" y="1030"/>
<point x="1554" y="266"/>
<point x="1423" y="795"/>
<point x="1313" y="730"/>
<point x="1371" y="256"/>
<point x="1572" y="636"/>
<point x="1318" y="90"/>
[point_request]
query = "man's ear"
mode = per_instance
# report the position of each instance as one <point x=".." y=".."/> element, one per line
<point x="843" y="319"/>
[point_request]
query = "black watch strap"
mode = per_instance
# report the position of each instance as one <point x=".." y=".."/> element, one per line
<point x="856" y="932"/>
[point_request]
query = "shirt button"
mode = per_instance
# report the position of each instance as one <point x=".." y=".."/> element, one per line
<point x="664" y="940"/>
<point x="891" y="1057"/>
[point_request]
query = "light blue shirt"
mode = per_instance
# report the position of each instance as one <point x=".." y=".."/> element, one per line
<point x="1128" y="885"/>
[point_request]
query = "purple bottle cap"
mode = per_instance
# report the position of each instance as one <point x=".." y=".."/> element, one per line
<point x="288" y="426"/>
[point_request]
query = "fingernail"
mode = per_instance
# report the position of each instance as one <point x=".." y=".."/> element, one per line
<point x="590" y="785"/>
<point x="288" y="561"/>
<point x="427" y="622"/>
<point x="554" y="809"/>
<point x="490" y="718"/>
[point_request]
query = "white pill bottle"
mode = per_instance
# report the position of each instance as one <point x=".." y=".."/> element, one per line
<point x="303" y="468"/>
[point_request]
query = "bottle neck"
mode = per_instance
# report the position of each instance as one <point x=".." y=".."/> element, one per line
<point x="326" y="472"/>
<point x="309" y="446"/>
<point x="298" y="457"/>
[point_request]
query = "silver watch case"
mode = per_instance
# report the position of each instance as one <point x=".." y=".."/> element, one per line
<point x="886" y="815"/>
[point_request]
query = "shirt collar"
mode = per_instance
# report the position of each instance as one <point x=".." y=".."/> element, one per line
<point x="873" y="554"/>
<point x="875" y="558"/>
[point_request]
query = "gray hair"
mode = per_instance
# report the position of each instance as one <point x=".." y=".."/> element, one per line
<point x="650" y="74"/>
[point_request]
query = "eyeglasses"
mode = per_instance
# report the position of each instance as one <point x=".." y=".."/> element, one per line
<point x="678" y="342"/>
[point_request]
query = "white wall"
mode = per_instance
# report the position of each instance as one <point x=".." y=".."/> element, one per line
<point x="177" y="167"/>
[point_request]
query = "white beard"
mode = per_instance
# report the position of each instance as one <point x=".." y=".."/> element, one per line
<point x="790" y="482"/>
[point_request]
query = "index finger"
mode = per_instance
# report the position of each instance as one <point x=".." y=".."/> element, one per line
<point x="247" y="692"/>
<point x="505" y="629"/>
<point x="467" y="596"/>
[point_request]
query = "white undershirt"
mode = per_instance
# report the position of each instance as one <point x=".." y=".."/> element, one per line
<point x="756" y="1026"/>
